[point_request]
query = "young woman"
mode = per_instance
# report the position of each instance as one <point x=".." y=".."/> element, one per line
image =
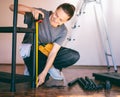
<point x="52" y="30"/>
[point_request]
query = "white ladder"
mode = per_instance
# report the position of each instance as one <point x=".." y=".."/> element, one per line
<point x="109" y="55"/>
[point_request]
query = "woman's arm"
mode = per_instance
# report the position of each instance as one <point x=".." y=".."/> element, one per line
<point x="49" y="63"/>
<point x="23" y="8"/>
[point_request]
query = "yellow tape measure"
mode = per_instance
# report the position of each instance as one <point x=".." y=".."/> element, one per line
<point x="36" y="53"/>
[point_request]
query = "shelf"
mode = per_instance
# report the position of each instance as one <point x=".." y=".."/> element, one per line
<point x="113" y="77"/>
<point x="19" y="30"/>
<point x="6" y="77"/>
<point x="12" y="77"/>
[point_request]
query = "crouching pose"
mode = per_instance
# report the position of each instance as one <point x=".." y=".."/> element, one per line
<point x="52" y="32"/>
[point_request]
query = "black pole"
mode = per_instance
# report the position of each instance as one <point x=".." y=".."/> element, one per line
<point x="34" y="61"/>
<point x="14" y="39"/>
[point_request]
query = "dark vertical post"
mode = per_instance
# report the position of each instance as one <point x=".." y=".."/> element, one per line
<point x="14" y="38"/>
<point x="34" y="61"/>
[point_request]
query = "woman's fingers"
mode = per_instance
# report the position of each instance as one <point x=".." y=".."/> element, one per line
<point x="40" y="81"/>
<point x="36" y="13"/>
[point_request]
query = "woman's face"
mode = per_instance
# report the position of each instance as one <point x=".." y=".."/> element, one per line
<point x="58" y="18"/>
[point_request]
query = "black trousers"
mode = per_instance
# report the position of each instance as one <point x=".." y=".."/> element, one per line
<point x="65" y="57"/>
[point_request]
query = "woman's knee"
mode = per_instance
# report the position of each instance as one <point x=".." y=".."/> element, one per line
<point x="75" y="56"/>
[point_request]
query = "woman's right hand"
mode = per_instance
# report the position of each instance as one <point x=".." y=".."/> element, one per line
<point x="36" y="13"/>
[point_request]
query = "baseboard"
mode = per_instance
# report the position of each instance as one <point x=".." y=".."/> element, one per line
<point x="90" y="67"/>
<point x="74" y="66"/>
<point x="8" y="64"/>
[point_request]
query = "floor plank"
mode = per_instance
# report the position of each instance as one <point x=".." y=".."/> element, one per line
<point x="53" y="88"/>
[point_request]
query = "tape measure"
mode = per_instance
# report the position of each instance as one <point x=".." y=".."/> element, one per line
<point x="36" y="52"/>
<point x="40" y="19"/>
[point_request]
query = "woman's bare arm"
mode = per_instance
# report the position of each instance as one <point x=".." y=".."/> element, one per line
<point x="23" y="8"/>
<point x="49" y="63"/>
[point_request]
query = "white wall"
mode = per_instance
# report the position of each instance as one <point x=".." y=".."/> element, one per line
<point x="85" y="39"/>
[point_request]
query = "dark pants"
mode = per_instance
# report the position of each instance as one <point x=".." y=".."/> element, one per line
<point x="65" y="57"/>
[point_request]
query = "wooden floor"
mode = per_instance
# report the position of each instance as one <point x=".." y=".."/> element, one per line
<point x="53" y="88"/>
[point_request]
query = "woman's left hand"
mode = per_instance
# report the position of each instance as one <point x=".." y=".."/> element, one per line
<point x="41" y="79"/>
